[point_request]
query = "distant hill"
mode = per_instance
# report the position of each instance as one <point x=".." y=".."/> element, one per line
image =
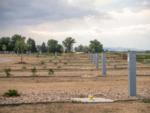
<point x="121" y="49"/>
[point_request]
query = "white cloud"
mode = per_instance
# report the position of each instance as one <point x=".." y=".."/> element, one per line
<point x="116" y="24"/>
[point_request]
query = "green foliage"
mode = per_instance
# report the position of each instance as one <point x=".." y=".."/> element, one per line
<point x="4" y="47"/>
<point x="31" y="46"/>
<point x="7" y="72"/>
<point x="5" y="44"/>
<point x="34" y="71"/>
<point x="20" y="45"/>
<point x="43" y="48"/>
<point x="11" y="93"/>
<point x="54" y="47"/>
<point x="146" y="100"/>
<point x="68" y="44"/>
<point x="50" y="71"/>
<point x="59" y="49"/>
<point x="82" y="48"/>
<point x="95" y="46"/>
<point x="143" y="58"/>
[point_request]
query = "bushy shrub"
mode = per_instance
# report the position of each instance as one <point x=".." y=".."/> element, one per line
<point x="11" y="93"/>
<point x="50" y="71"/>
<point x="7" y="72"/>
<point x="42" y="62"/>
<point x="65" y="63"/>
<point x="34" y="70"/>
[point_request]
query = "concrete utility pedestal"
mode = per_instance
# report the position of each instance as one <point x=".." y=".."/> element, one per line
<point x="132" y="73"/>
<point x="97" y="60"/>
<point x="104" y="64"/>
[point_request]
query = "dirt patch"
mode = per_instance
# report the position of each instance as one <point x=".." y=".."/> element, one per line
<point x="119" y="107"/>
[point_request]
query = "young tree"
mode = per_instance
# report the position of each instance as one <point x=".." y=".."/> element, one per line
<point x="31" y="46"/>
<point x="68" y="44"/>
<point x="95" y="46"/>
<point x="14" y="40"/>
<point x="20" y="46"/>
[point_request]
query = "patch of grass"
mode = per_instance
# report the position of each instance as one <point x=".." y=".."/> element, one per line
<point x="11" y="93"/>
<point x="42" y="62"/>
<point x="145" y="58"/>
<point x="58" y="67"/>
<point x="65" y="63"/>
<point x="7" y="72"/>
<point x="146" y="100"/>
<point x="24" y="67"/>
<point x="34" y="71"/>
<point x="50" y="71"/>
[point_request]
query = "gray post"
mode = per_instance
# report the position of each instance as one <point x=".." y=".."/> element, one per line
<point x="104" y="64"/>
<point x="132" y="73"/>
<point x="93" y="58"/>
<point x="97" y="60"/>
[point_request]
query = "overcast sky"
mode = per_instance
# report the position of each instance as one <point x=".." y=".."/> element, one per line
<point x="116" y="23"/>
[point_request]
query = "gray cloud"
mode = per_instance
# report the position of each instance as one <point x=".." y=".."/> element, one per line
<point x="27" y="12"/>
<point x="35" y="11"/>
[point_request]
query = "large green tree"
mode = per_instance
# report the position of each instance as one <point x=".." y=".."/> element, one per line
<point x="52" y="45"/>
<point x="31" y="46"/>
<point x="5" y="44"/>
<point x="95" y="46"/>
<point x="60" y="48"/>
<point x="68" y="44"/>
<point x="43" y="48"/>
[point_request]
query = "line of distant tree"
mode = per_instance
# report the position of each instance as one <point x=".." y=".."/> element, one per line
<point x="19" y="44"/>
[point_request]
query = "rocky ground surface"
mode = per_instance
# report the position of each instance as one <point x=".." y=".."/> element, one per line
<point x="66" y="84"/>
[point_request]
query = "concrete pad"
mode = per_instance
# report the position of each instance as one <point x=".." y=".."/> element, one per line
<point x="94" y="100"/>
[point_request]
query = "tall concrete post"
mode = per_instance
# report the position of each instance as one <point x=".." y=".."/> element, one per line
<point x="93" y="58"/>
<point x="89" y="56"/>
<point x="103" y="64"/>
<point x="97" y="60"/>
<point x="132" y="73"/>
